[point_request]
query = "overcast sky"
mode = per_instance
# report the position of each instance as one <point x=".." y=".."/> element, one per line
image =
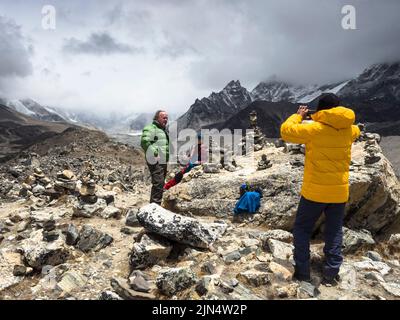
<point x="135" y="56"/>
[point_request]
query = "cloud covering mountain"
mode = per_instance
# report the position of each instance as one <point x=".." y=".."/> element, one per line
<point x="143" y="55"/>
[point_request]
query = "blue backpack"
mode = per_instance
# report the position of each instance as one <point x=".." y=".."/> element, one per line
<point x="249" y="201"/>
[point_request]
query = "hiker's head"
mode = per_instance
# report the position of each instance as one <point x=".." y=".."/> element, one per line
<point x="161" y="117"/>
<point x="328" y="101"/>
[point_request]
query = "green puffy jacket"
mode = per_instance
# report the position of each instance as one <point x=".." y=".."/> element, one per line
<point x="155" y="138"/>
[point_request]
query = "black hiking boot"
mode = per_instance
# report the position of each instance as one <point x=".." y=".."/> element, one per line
<point x="301" y="277"/>
<point x="330" y="282"/>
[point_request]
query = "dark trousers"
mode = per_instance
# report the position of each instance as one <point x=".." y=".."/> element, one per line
<point x="307" y="215"/>
<point x="158" y="173"/>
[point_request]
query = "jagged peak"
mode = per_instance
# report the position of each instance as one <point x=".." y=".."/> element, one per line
<point x="380" y="68"/>
<point x="233" y="84"/>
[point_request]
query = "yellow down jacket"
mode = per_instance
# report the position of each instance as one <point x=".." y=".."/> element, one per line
<point x="328" y="141"/>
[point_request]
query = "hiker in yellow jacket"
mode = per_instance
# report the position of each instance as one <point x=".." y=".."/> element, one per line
<point x="328" y="139"/>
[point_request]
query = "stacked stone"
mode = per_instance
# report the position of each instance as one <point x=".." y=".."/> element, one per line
<point x="256" y="135"/>
<point x="228" y="161"/>
<point x="88" y="191"/>
<point x="215" y="152"/>
<point x="372" y="149"/>
<point x="367" y="136"/>
<point x="66" y="182"/>
<point x="220" y="158"/>
<point x="49" y="232"/>
<point x="35" y="184"/>
<point x="264" y="163"/>
<point x="372" y="141"/>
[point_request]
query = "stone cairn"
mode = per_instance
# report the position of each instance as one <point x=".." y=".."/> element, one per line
<point x="219" y="158"/>
<point x="35" y="184"/>
<point x="88" y="190"/>
<point x="256" y="135"/>
<point x="66" y="181"/>
<point x="372" y="141"/>
<point x="264" y="163"/>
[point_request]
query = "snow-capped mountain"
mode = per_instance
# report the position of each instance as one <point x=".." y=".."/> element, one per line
<point x="379" y="81"/>
<point x="33" y="109"/>
<point x="219" y="107"/>
<point x="113" y="122"/>
<point x="276" y="91"/>
<point x="216" y="108"/>
<point x="374" y="95"/>
<point x="314" y="94"/>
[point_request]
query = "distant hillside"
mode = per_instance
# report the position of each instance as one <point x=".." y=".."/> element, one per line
<point x="18" y="131"/>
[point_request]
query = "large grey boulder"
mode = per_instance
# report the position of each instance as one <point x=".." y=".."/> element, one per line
<point x="179" y="228"/>
<point x="374" y="191"/>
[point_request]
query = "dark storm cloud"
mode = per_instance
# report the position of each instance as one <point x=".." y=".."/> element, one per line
<point x="14" y="53"/>
<point x="99" y="44"/>
<point x="299" y="41"/>
<point x="194" y="47"/>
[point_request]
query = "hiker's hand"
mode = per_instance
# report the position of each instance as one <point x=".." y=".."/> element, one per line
<point x="303" y="110"/>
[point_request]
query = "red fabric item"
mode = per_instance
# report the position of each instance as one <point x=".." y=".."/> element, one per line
<point x="170" y="184"/>
<point x="178" y="177"/>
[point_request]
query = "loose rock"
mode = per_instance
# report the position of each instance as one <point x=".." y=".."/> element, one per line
<point x="173" y="280"/>
<point x="179" y="228"/>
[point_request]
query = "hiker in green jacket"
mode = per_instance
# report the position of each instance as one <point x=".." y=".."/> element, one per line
<point x="155" y="143"/>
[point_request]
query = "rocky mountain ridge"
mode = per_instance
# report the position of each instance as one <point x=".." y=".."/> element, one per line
<point x="216" y="108"/>
<point x="374" y="95"/>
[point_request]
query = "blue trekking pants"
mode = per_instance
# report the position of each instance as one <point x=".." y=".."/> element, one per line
<point x="307" y="215"/>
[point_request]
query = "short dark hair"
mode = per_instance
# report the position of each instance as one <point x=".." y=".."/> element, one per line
<point x="328" y="101"/>
<point x="157" y="114"/>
